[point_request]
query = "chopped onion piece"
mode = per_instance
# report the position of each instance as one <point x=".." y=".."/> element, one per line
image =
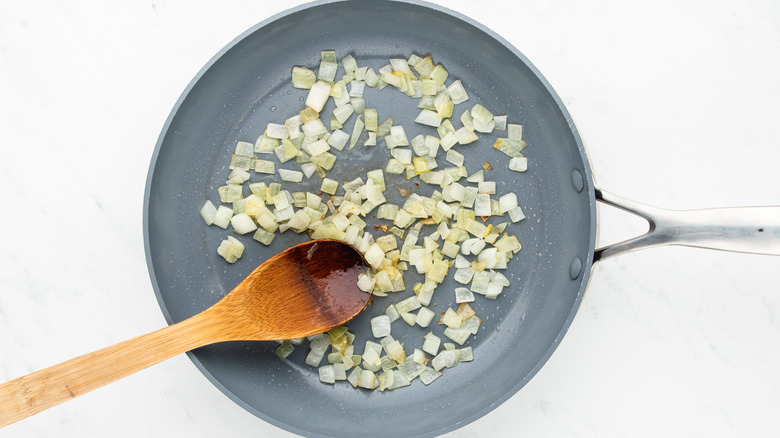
<point x="265" y="166"/>
<point x="380" y="326"/>
<point x="231" y="249"/>
<point x="480" y="114"/>
<point x="484" y="127"/>
<point x="286" y="151"/>
<point x="507" y="202"/>
<point x="399" y="381"/>
<point x="318" y="95"/>
<point x="392" y="313"/>
<point x="459" y="335"/>
<point x="368" y="380"/>
<point x="431" y="344"/>
<point x="463" y="295"/>
<point x="328" y="66"/>
<point x="516" y="214"/>
<point x="472" y="324"/>
<point x="371" y="139"/>
<point x="356" y="131"/>
<point x="374" y="256"/>
<point x="465" y="136"/>
<point x="480" y="281"/>
<point x="407" y="305"/>
<point x="457" y="93"/>
<point x="482" y="205"/>
<point x="354" y="376"/>
<point x="223" y="216"/>
<point x="500" y="123"/>
<point x="439" y="74"/>
<point x="486" y="187"/>
<point x="455" y="157"/>
<point x="342" y="113"/>
<point x="240" y="162"/>
<point x="509" y="147"/>
<point x="384" y="128"/>
<point x="466" y="354"/>
<point x="429" y="375"/>
<point x="308" y="169"/>
<point x="208" y="212"/>
<point x="518" y="164"/>
<point x="242" y="223"/>
<point x="264" y="236"/>
<point x="275" y="130"/>
<point x="424" y="317"/>
<point x="290" y="175"/>
<point x="327" y="374"/>
<point x="244" y="148"/>
<point x="451" y="319"/>
<point x="349" y="63"/>
<point x="411" y="368"/>
<point x="302" y="77"/>
<point x="338" y="139"/>
<point x="329" y="186"/>
<point x="446" y="358"/>
<point x="514" y="132"/>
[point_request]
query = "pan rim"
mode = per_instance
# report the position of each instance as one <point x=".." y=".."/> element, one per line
<point x="587" y="180"/>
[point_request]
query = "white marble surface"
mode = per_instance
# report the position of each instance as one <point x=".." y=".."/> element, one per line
<point x="677" y="101"/>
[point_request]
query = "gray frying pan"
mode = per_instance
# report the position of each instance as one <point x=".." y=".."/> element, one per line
<point x="247" y="85"/>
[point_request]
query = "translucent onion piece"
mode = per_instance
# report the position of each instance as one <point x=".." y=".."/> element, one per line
<point x="329" y="186"/>
<point x="230" y="249"/>
<point x="380" y="326"/>
<point x="459" y="335"/>
<point x="290" y="175"/>
<point x="327" y="374"/>
<point x="465" y="136"/>
<point x="264" y="236"/>
<point x="429" y="375"/>
<point x="516" y="214"/>
<point x="463" y="295"/>
<point x="208" y="212"/>
<point x="318" y="95"/>
<point x="275" y="130"/>
<point x="242" y="223"/>
<point x="500" y="123"/>
<point x="428" y="118"/>
<point x="265" y="166"/>
<point x="284" y="349"/>
<point x="518" y="164"/>
<point x="431" y="344"/>
<point x="514" y="132"/>
<point x="303" y="78"/>
<point x="457" y="93"/>
<point x="223" y="216"/>
<point x="424" y="317"/>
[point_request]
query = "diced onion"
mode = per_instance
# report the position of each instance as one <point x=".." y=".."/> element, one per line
<point x="380" y="326"/>
<point x="208" y="212"/>
<point x="302" y="77"/>
<point x="518" y="164"/>
<point x="231" y="249"/>
<point x="318" y="95"/>
<point x="464" y="238"/>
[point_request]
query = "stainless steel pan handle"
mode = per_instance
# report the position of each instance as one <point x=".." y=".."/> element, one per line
<point x="740" y="229"/>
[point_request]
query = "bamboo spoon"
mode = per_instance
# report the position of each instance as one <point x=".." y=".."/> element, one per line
<point x="304" y="290"/>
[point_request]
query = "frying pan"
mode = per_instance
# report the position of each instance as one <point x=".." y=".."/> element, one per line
<point x="246" y="86"/>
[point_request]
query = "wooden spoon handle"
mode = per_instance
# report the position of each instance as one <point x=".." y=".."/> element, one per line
<point x="38" y="391"/>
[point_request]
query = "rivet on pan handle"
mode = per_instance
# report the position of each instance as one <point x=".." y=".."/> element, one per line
<point x="739" y="229"/>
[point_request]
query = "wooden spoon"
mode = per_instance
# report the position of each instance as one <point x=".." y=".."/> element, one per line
<point x="304" y="290"/>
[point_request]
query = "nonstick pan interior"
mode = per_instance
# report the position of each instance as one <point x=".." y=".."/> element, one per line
<point x="246" y="86"/>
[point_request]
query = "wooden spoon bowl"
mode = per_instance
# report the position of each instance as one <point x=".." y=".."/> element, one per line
<point x="307" y="289"/>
